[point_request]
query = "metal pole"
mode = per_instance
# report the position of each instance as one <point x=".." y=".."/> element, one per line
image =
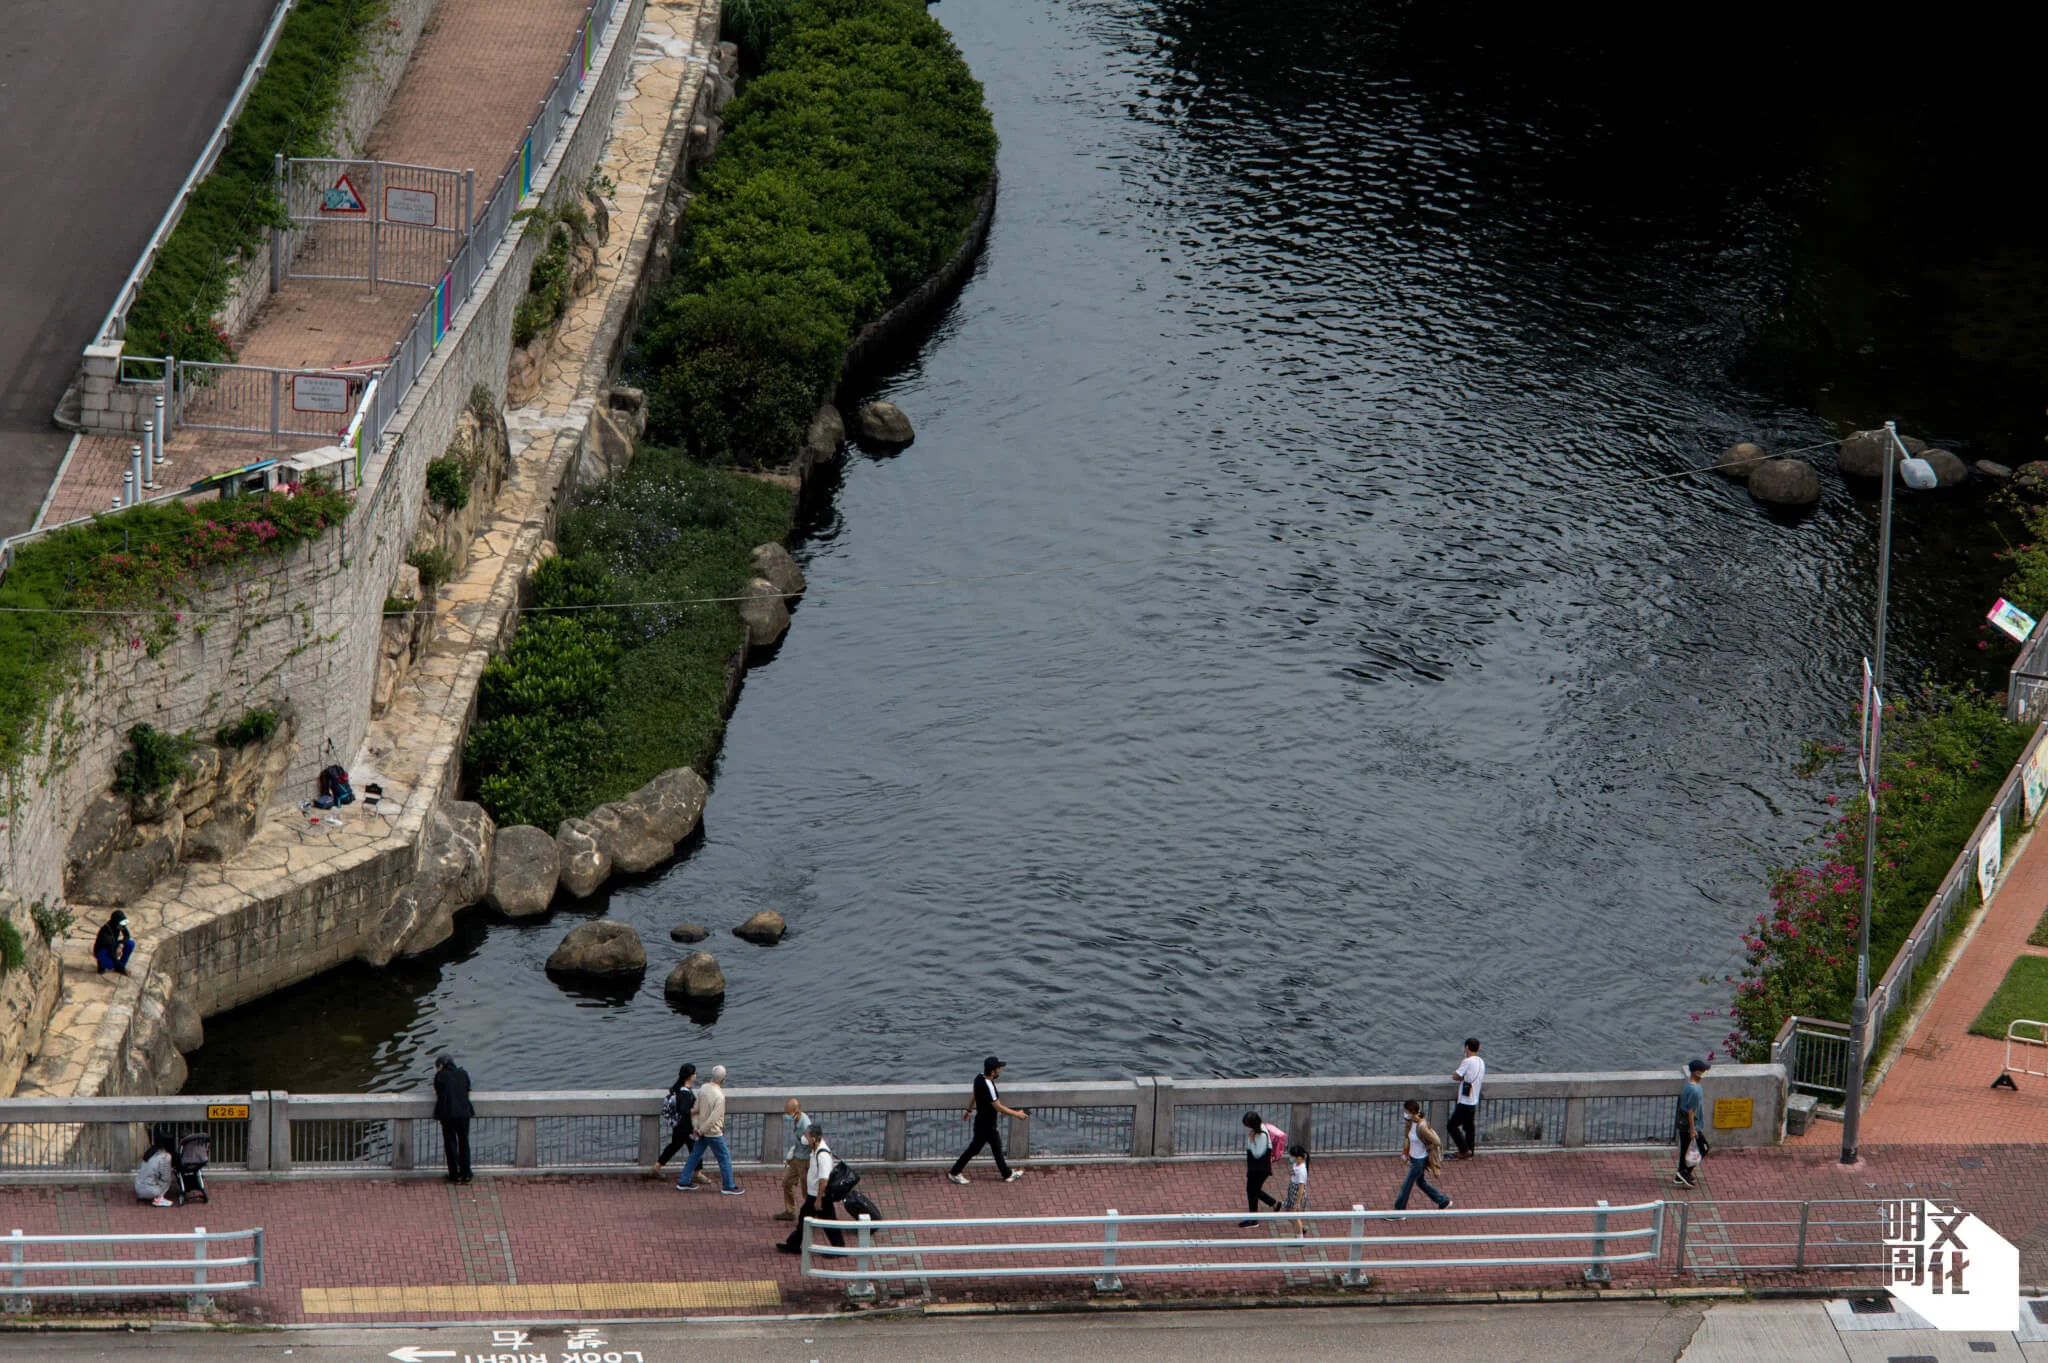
<point x="148" y="453"/>
<point x="134" y="475"/>
<point x="862" y="1289"/>
<point x="163" y="430"/>
<point x="376" y="220"/>
<point x="277" y="234"/>
<point x="1107" y="1280"/>
<point x="18" y="1302"/>
<point x="1355" y="1276"/>
<point x="1805" y="1213"/>
<point x="1859" y="1011"/>
<point x="1597" y="1271"/>
<point x="199" y="1303"/>
<point x="276" y="404"/>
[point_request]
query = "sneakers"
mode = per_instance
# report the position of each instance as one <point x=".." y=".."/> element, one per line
<point x="1681" y="1181"/>
<point x="783" y="1216"/>
<point x="1013" y="1176"/>
<point x="784" y="1247"/>
<point x="1444" y="1205"/>
<point x="958" y="1178"/>
<point x="732" y="1192"/>
<point x="686" y="1187"/>
<point x="1248" y="1222"/>
<point x="160" y="1202"/>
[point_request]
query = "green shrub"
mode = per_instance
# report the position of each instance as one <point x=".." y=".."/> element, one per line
<point x="448" y="483"/>
<point x="752" y="25"/>
<point x="52" y="921"/>
<point x="153" y="762"/>
<point x="288" y="111"/>
<point x="135" y="559"/>
<point x="849" y="171"/>
<point x="13" y="951"/>
<point x="1946" y="755"/>
<point x="433" y="566"/>
<point x="255" y="726"/>
<point x="548" y="283"/>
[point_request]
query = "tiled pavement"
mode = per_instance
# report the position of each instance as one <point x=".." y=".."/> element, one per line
<point x="472" y="85"/>
<point x="344" y="1250"/>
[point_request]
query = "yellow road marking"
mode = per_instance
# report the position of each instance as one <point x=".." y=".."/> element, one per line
<point x="530" y="1297"/>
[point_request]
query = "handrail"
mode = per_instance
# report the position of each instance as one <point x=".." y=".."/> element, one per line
<point x="199" y="1285"/>
<point x="115" y="324"/>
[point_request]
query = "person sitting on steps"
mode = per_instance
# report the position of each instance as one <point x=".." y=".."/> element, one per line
<point x="113" y="946"/>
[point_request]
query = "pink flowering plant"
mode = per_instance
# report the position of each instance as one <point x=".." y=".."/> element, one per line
<point x="1947" y="751"/>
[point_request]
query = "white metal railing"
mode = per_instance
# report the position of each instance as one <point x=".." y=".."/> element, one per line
<point x="2037" y="1042"/>
<point x="1353" y="1244"/>
<point x="93" y="1265"/>
<point x="115" y="324"/>
<point x="1781" y="1236"/>
<point x="264" y="400"/>
<point x="373" y="1135"/>
<point x="1815" y="1054"/>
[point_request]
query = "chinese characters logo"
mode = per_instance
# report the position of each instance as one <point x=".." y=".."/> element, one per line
<point x="1950" y="1267"/>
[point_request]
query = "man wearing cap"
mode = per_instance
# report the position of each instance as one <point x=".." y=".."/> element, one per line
<point x="1692" y="1111"/>
<point x="113" y="945"/>
<point x="983" y="1111"/>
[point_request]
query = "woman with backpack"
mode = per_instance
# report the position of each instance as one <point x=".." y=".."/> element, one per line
<point x="676" y="1106"/>
<point x="1258" y="1165"/>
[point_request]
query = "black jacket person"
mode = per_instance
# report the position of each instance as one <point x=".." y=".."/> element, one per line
<point x="452" y="1110"/>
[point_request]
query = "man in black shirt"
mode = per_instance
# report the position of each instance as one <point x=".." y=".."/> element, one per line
<point x="452" y="1110"/>
<point x="983" y="1111"/>
<point x="113" y="945"/>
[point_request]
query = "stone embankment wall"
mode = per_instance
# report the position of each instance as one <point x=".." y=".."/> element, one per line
<point x="311" y="625"/>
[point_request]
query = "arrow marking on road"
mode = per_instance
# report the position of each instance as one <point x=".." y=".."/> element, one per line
<point x="413" y="1353"/>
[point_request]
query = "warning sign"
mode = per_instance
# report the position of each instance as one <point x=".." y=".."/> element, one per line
<point x="415" y="206"/>
<point x="319" y="393"/>
<point x="342" y="198"/>
<point x="1733" y="1114"/>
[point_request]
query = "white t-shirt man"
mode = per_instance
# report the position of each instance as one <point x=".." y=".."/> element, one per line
<point x="819" y="1173"/>
<point x="1471" y="1074"/>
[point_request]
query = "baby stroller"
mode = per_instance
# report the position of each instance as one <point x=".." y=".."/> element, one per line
<point x="195" y="1152"/>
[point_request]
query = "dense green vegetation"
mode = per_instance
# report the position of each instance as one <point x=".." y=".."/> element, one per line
<point x="1946" y="754"/>
<point x="849" y="171"/>
<point x="255" y="726"/>
<point x="586" y="705"/>
<point x="288" y="111"/>
<point x="153" y="761"/>
<point x="135" y="559"/>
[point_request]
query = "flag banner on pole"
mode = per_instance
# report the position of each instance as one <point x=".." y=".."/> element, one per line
<point x="1871" y="727"/>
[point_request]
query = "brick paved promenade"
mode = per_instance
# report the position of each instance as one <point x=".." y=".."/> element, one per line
<point x="553" y="1247"/>
<point x="474" y="80"/>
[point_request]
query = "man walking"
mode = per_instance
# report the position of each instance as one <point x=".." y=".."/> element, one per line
<point x="817" y="1193"/>
<point x="708" y="1118"/>
<point x="983" y="1110"/>
<point x="796" y="1155"/>
<point x="1692" y="1111"/>
<point x="452" y="1110"/>
<point x="1464" y="1123"/>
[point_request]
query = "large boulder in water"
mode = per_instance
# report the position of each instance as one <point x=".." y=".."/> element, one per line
<point x="630" y="836"/>
<point x="600" y="948"/>
<point x="696" y="976"/>
<point x="764" y="928"/>
<point x="1949" y="469"/>
<point x="883" y="423"/>
<point x="581" y="857"/>
<point x="525" y="864"/>
<point x="826" y="435"/>
<point x="1861" y="455"/>
<point x="1785" y="482"/>
<point x="764" y="612"/>
<point x="773" y="562"/>
<point x="1739" y="461"/>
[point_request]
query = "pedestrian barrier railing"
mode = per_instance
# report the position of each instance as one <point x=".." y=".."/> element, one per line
<point x="1348" y="1246"/>
<point x="1815" y="1054"/>
<point x="1787" y="1236"/>
<point x="380" y="222"/>
<point x="274" y="1132"/>
<point x="2032" y="1039"/>
<point x="2027" y="683"/>
<point x="130" y="1266"/>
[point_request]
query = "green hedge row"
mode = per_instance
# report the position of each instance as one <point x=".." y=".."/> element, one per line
<point x="288" y="111"/>
<point x="849" y="171"/>
<point x="586" y="705"/>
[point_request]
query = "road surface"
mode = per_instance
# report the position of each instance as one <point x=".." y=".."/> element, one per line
<point x="103" y="108"/>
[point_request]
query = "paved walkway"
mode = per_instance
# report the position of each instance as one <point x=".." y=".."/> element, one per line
<point x="472" y="85"/>
<point x="359" y="1251"/>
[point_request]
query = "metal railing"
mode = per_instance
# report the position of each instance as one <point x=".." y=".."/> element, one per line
<point x="1828" y="1234"/>
<point x="261" y="400"/>
<point x="94" y="1265"/>
<point x="2027" y="684"/>
<point x="1350" y="1245"/>
<point x="2038" y="1044"/>
<point x="115" y="324"/>
<point x="274" y="1132"/>
<point x="1815" y="1054"/>
<point x="381" y="222"/>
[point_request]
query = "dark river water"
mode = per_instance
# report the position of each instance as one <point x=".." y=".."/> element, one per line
<point x="1287" y="647"/>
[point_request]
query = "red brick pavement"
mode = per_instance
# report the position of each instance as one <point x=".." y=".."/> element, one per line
<point x="577" y="1230"/>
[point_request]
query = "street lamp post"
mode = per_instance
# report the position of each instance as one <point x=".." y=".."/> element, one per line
<point x="1916" y="472"/>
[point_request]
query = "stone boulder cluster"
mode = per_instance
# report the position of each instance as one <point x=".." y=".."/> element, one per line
<point x="764" y="601"/>
<point x="1862" y="455"/>
<point x="1774" y="482"/>
<point x="124" y="843"/>
<point x="1859" y="455"/>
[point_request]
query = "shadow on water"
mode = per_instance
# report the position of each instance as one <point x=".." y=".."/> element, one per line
<point x="1292" y="641"/>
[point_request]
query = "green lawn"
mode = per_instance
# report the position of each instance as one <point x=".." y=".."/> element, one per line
<point x="2039" y="936"/>
<point x="2023" y="994"/>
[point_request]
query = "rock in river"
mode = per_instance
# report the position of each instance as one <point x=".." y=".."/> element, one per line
<point x="883" y="423"/>
<point x="1785" y="482"/>
<point x="1739" y="461"/>
<point x="688" y="932"/>
<point x="524" y="866"/>
<point x="582" y="857"/>
<point x="764" y="928"/>
<point x="602" y="947"/>
<point x="1949" y="469"/>
<point x="1861" y="454"/>
<point x="696" y="976"/>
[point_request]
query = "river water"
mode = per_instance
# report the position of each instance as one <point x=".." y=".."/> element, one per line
<point x="1286" y="647"/>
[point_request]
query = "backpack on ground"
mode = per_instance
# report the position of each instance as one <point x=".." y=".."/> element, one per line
<point x="334" y="785"/>
<point x="1279" y="1140"/>
<point x="840" y="1181"/>
<point x="859" y="1204"/>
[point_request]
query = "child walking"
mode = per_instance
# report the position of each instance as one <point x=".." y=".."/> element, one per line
<point x="1297" y="1187"/>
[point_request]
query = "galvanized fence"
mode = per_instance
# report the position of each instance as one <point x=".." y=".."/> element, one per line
<point x="1830" y="1234"/>
<point x="380" y="222"/>
<point x="262" y="400"/>
<point x="903" y="1124"/>
<point x="131" y="1266"/>
<point x="1815" y="1054"/>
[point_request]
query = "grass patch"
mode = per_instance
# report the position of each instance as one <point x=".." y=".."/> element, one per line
<point x="2039" y="936"/>
<point x="587" y="705"/>
<point x="849" y="172"/>
<point x="2022" y="994"/>
<point x="288" y="111"/>
<point x="1947" y="753"/>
